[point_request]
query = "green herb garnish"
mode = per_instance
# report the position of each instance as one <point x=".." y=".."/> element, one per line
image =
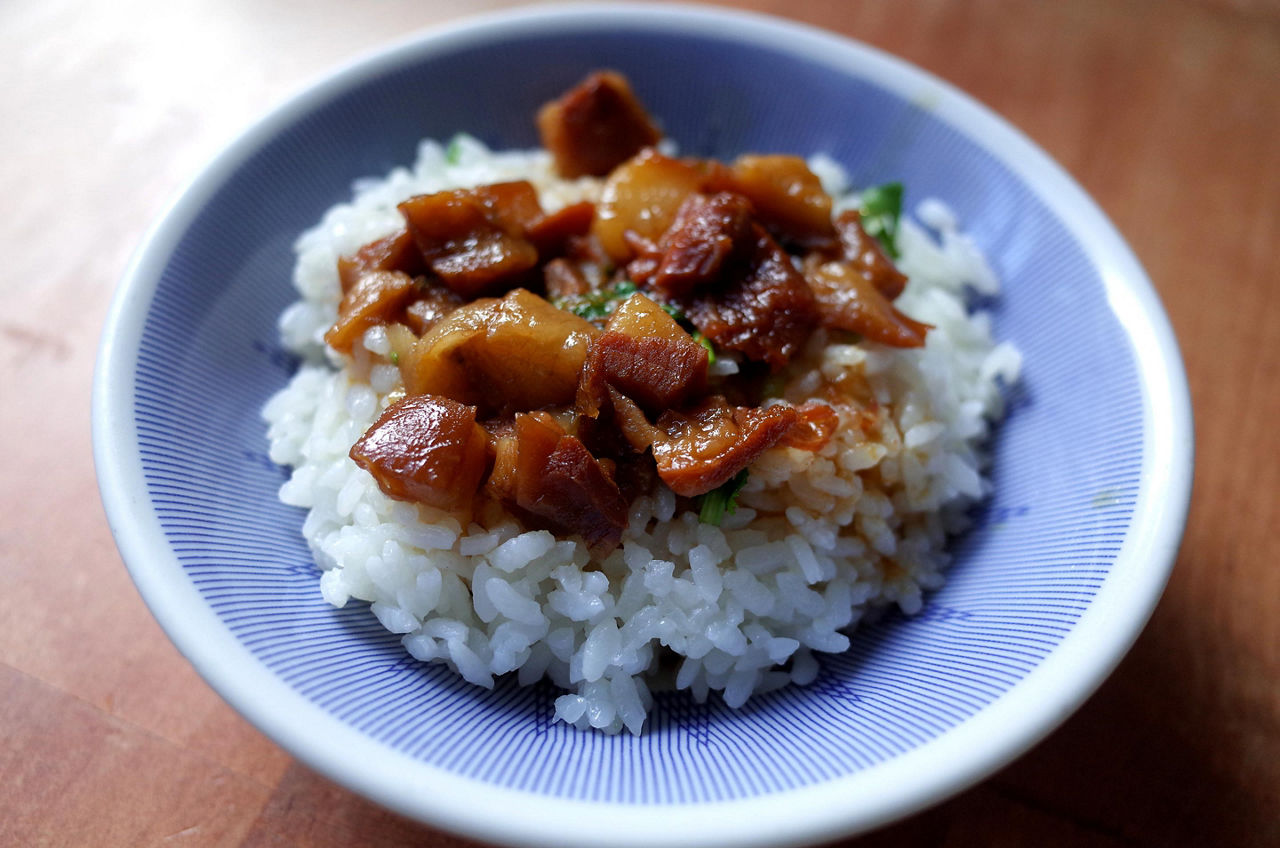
<point x="598" y="304"/>
<point x="881" y="207"/>
<point x="453" y="153"/>
<point x="717" y="502"/>
<point x="676" y="313"/>
<point x="394" y="357"/>
<point x="706" y="342"/>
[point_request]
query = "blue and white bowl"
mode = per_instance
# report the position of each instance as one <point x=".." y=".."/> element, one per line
<point x="1092" y="467"/>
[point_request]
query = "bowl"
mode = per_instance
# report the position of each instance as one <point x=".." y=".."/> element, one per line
<point x="1064" y="565"/>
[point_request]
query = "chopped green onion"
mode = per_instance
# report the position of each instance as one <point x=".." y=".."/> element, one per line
<point x="453" y="153"/>
<point x="676" y="313"/>
<point x="394" y="357"/>
<point x="706" y="342"/>
<point x="588" y="310"/>
<point x="598" y="304"/>
<point x="717" y="502"/>
<point x="881" y="208"/>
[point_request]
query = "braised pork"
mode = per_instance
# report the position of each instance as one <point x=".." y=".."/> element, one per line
<point x="763" y="310"/>
<point x="427" y="449"/>
<point x="703" y="448"/>
<point x="566" y="407"/>
<point x="595" y="126"/>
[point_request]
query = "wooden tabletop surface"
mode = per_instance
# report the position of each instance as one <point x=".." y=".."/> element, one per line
<point x="1167" y="112"/>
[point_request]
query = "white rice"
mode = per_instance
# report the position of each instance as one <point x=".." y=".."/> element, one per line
<point x="818" y="540"/>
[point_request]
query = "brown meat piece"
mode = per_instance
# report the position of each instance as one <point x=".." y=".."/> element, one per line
<point x="631" y="422"/>
<point x="816" y="423"/>
<point x="466" y="241"/>
<point x="563" y="278"/>
<point x="642" y="195"/>
<point x="657" y="373"/>
<point x="848" y="300"/>
<point x="705" y="447"/>
<point x="376" y="297"/>
<point x="765" y="311"/>
<point x="551" y="475"/>
<point x="609" y="423"/>
<point x="648" y="255"/>
<point x="434" y="303"/>
<point x="532" y="438"/>
<point x="401" y="340"/>
<point x="705" y="234"/>
<point x="595" y="126"/>
<point x="512" y="205"/>
<point x="867" y="257"/>
<point x="396" y="252"/>
<point x="427" y="449"/>
<point x="643" y="359"/>
<point x="647" y="356"/>
<point x="635" y="475"/>
<point x="513" y="354"/>
<point x="588" y="252"/>
<point x="787" y="196"/>
<point x="551" y="232"/>
<point x="573" y="492"/>
<point x="591" y="398"/>
<point x="501" y="484"/>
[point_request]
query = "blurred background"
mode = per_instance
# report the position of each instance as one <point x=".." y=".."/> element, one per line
<point x="1168" y="113"/>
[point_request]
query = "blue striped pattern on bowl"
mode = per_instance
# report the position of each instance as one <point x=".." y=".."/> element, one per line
<point x="1066" y="462"/>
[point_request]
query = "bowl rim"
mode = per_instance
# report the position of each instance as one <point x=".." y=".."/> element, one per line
<point x="957" y="759"/>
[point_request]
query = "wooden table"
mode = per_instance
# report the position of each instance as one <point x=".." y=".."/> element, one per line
<point x="1167" y="112"/>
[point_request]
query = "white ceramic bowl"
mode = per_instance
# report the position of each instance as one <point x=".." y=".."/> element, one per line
<point x="1092" y="467"/>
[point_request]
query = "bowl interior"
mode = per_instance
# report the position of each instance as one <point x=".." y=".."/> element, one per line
<point x="1067" y="462"/>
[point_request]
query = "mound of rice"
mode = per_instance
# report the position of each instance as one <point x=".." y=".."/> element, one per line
<point x="818" y="540"/>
